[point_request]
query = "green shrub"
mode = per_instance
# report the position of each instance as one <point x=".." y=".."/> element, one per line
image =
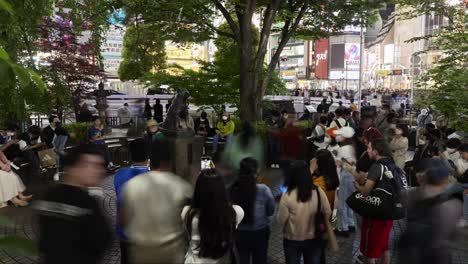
<point x="78" y="132"/>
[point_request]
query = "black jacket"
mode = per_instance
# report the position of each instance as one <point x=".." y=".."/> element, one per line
<point x="72" y="226"/>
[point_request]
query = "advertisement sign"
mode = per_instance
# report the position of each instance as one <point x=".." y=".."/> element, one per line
<point x="352" y="56"/>
<point x="321" y="59"/>
<point x="389" y="53"/>
<point x="111" y="50"/>
<point x="343" y="75"/>
<point x="337" y="56"/>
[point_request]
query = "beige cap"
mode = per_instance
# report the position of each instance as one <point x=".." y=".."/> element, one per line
<point x="151" y="123"/>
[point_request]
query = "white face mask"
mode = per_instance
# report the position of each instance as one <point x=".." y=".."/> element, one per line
<point x="327" y="140"/>
<point x="451" y="150"/>
<point x="225" y="118"/>
<point x="398" y="132"/>
<point x="202" y="120"/>
<point x="10" y="134"/>
<point x="422" y="142"/>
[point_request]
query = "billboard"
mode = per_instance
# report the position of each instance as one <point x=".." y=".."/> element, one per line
<point x="337" y="56"/>
<point x="321" y="59"/>
<point x="352" y="56"/>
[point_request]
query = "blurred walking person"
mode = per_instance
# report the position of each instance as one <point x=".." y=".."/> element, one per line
<point x="72" y="226"/>
<point x="139" y="166"/>
<point x="244" y="144"/>
<point x="433" y="212"/>
<point x="258" y="203"/>
<point x="152" y="203"/>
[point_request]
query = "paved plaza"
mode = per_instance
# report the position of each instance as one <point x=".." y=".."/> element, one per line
<point x="24" y="220"/>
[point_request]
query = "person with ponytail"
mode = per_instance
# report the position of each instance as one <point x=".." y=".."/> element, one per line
<point x="258" y="204"/>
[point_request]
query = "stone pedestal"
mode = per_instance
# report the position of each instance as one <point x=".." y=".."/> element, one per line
<point x="186" y="153"/>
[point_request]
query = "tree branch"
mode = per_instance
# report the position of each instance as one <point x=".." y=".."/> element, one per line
<point x="269" y="16"/>
<point x="286" y="34"/>
<point x="211" y="26"/>
<point x="231" y="22"/>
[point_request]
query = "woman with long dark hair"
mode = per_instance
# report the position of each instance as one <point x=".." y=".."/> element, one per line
<point x="258" y="203"/>
<point x="324" y="174"/>
<point x="210" y="220"/>
<point x="298" y="212"/>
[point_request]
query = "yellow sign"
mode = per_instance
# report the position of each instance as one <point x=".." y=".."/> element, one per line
<point x="383" y="73"/>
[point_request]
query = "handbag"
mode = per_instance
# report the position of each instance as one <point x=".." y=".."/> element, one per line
<point x="383" y="202"/>
<point x="320" y="227"/>
<point x="47" y="158"/>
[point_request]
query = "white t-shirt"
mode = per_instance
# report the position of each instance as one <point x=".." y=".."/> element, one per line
<point x="454" y="156"/>
<point x="153" y="202"/>
<point x="347" y="152"/>
<point x="341" y="120"/>
<point x="462" y="165"/>
<point x="194" y="245"/>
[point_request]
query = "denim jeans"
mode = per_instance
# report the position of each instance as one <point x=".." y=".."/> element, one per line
<point x="59" y="143"/>
<point x="216" y="141"/>
<point x="310" y="250"/>
<point x="253" y="245"/>
<point x="346" y="215"/>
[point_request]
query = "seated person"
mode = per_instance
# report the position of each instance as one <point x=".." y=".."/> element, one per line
<point x="96" y="135"/>
<point x="54" y="135"/>
<point x="7" y="134"/>
<point x="202" y="125"/>
<point x="23" y="150"/>
<point x="11" y="186"/>
<point x="224" y="131"/>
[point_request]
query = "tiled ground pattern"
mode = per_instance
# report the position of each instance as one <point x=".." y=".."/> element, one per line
<point x="24" y="220"/>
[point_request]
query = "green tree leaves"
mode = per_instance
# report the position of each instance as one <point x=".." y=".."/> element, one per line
<point x="143" y="52"/>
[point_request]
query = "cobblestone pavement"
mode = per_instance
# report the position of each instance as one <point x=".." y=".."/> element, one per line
<point x="24" y="220"/>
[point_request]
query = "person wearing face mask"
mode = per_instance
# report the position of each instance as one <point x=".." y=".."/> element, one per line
<point x="185" y="121"/>
<point x="318" y="135"/>
<point x="451" y="153"/>
<point x="202" y="125"/>
<point x="224" y="130"/>
<point x="346" y="154"/>
<point x="399" y="145"/>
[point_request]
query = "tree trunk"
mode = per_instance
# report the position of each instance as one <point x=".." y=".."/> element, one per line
<point x="248" y="79"/>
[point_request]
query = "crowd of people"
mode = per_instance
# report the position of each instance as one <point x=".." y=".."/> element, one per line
<point x="224" y="214"/>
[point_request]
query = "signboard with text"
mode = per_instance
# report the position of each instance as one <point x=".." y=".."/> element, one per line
<point x="352" y="56"/>
<point x="321" y="59"/>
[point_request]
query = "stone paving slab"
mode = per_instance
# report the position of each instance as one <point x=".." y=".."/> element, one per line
<point x="25" y="227"/>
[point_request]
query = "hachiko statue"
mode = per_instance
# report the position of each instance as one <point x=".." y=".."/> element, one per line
<point x="179" y="103"/>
